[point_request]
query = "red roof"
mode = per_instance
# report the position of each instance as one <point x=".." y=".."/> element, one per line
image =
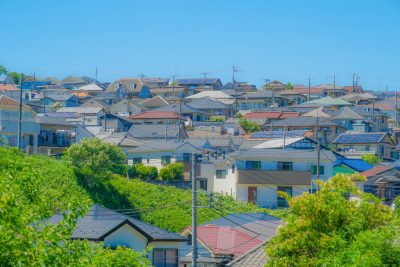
<point x="226" y="240"/>
<point x="349" y="88"/>
<point x="302" y="90"/>
<point x="156" y="115"/>
<point x="376" y="170"/>
<point x="271" y="115"/>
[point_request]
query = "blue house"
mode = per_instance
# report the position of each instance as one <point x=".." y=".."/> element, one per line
<point x="144" y="93"/>
<point x="66" y="100"/>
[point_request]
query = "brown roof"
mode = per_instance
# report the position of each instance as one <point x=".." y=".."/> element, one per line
<point x="271" y="115"/>
<point x="376" y="170"/>
<point x="7" y="87"/>
<point x="155" y="115"/>
<point x="302" y="90"/>
<point x="274" y="177"/>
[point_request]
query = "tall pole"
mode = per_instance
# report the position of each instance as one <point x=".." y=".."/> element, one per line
<point x="96" y="74"/>
<point x="20" y="114"/>
<point x="354" y="82"/>
<point x="205" y="79"/>
<point x="105" y="118"/>
<point x="166" y="133"/>
<point x="395" y="111"/>
<point x="194" y="211"/>
<point x="334" y="85"/>
<point x="309" y="88"/>
<point x="234" y="69"/>
<point x="173" y="84"/>
<point x="179" y="119"/>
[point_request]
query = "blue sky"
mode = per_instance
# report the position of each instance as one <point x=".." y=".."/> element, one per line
<point x="280" y="39"/>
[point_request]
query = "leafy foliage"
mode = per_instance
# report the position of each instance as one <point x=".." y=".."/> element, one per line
<point x="15" y="76"/>
<point x="370" y="159"/>
<point x="249" y="126"/>
<point x="329" y="228"/>
<point x="33" y="189"/>
<point x="143" y="172"/>
<point x="3" y="70"/>
<point x="172" y="172"/>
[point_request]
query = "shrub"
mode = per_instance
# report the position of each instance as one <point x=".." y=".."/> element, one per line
<point x="370" y="159"/>
<point x="249" y="126"/>
<point x="172" y="172"/>
<point x="144" y="172"/>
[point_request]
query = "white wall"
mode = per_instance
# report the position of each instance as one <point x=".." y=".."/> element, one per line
<point x="225" y="185"/>
<point x="267" y="194"/>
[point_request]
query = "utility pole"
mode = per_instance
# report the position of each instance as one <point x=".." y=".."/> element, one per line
<point x="179" y="119"/>
<point x="105" y="118"/>
<point x="334" y="85"/>
<point x="205" y="79"/>
<point x="309" y="88"/>
<point x="96" y="74"/>
<point x="235" y="69"/>
<point x="395" y="111"/>
<point x="354" y="82"/>
<point x="173" y="84"/>
<point x="318" y="152"/>
<point x="166" y="133"/>
<point x="194" y="211"/>
<point x="20" y="114"/>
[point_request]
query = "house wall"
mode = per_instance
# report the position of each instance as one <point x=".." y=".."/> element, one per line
<point x="225" y="185"/>
<point x="266" y="193"/>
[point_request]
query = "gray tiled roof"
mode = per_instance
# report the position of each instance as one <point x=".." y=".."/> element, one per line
<point x="283" y="153"/>
<point x="207" y="103"/>
<point x="359" y="138"/>
<point x="151" y="131"/>
<point x="184" y="108"/>
<point x="159" y="145"/>
<point x="255" y="258"/>
<point x="304" y="121"/>
<point x="99" y="222"/>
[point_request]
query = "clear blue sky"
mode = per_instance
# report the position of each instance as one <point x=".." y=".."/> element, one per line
<point x="284" y="40"/>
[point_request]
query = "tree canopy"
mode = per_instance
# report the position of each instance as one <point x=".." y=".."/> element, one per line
<point x="249" y="126"/>
<point x="370" y="158"/>
<point x="339" y="225"/>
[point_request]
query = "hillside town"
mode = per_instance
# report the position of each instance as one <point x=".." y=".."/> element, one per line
<point x="229" y="139"/>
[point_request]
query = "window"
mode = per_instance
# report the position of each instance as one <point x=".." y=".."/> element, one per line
<point x="165" y="258"/>
<point x="187" y="157"/>
<point x="221" y="174"/>
<point x="285" y="166"/>
<point x="203" y="184"/>
<point x="381" y="150"/>
<point x="189" y="240"/>
<point x="165" y="160"/>
<point x="282" y="203"/>
<point x="253" y="165"/>
<point x="137" y="160"/>
<point x="314" y="169"/>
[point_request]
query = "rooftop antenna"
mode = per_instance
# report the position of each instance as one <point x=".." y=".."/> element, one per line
<point x="205" y="79"/>
<point x="334" y="85"/>
<point x="235" y="69"/>
<point x="96" y="74"/>
<point x="309" y="88"/>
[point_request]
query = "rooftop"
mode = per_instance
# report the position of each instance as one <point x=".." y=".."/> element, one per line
<point x="359" y="138"/>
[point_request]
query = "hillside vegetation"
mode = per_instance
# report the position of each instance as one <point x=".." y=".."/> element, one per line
<point x="31" y="190"/>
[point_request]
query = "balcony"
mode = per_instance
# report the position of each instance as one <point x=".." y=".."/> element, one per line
<point x="274" y="177"/>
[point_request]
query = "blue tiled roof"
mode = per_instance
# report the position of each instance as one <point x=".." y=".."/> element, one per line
<point x="197" y="81"/>
<point x="278" y="134"/>
<point x="356" y="164"/>
<point x="359" y="138"/>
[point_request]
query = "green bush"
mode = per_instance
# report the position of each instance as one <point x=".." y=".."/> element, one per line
<point x="32" y="189"/>
<point x="172" y="172"/>
<point x="143" y="172"/>
<point x="370" y="159"/>
<point x="249" y="126"/>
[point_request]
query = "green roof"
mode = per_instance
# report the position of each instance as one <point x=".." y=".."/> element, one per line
<point x="329" y="101"/>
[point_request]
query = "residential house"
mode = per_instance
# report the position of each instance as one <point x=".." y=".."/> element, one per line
<point x="328" y="130"/>
<point x="360" y="99"/>
<point x="73" y="82"/>
<point x="157" y="132"/>
<point x="332" y="89"/>
<point x="157" y="117"/>
<point x="93" y="87"/>
<point x="355" y="145"/>
<point x="91" y="116"/>
<point x="383" y="182"/>
<point x="194" y="83"/>
<point x="168" y="91"/>
<point x="350" y="166"/>
<point x="4" y="79"/>
<point x="185" y="111"/>
<point x="311" y="93"/>
<point x="121" y="139"/>
<point x="162" y="153"/>
<point x="294" y="97"/>
<point x="126" y="87"/>
<point x="115" y="229"/>
<point x="274" y="86"/>
<point x="214" y="95"/>
<point x="126" y="107"/>
<point x="65" y="100"/>
<point x="206" y="129"/>
<point x="9" y="123"/>
<point x="94" y="103"/>
<point x="155" y="82"/>
<point x="213" y="108"/>
<point x="262" y="172"/>
<point x="153" y="103"/>
<point x="229" y="239"/>
<point x="115" y="123"/>
<point x="260" y="100"/>
<point x="266" y="117"/>
<point x="327" y="101"/>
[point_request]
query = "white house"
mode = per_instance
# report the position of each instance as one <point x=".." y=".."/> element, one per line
<point x="115" y="229"/>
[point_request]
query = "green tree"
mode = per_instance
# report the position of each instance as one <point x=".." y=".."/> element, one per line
<point x="249" y="126"/>
<point x="15" y="76"/>
<point x="144" y="172"/>
<point x="370" y="158"/>
<point x="95" y="160"/>
<point x="56" y="106"/>
<point x="288" y="86"/>
<point x="329" y="228"/>
<point x="33" y="189"/>
<point x="172" y="172"/>
<point x="3" y="70"/>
